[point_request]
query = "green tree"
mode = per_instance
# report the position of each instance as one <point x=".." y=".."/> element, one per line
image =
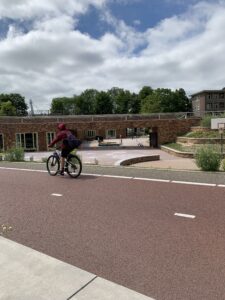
<point x="174" y="101"/>
<point x="145" y="92"/>
<point x="113" y="94"/>
<point x="134" y="104"/>
<point x="103" y="104"/>
<point x="183" y="102"/>
<point x="86" y="102"/>
<point x="63" y="105"/>
<point x="17" y="101"/>
<point x="165" y="100"/>
<point x="7" y="109"/>
<point x="123" y="101"/>
<point x="151" y="104"/>
<point x="56" y="106"/>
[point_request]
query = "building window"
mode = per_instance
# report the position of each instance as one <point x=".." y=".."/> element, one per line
<point x="130" y="132"/>
<point x="28" y="141"/>
<point x="221" y="105"/>
<point x="111" y="134"/>
<point x="1" y="142"/>
<point x="209" y="106"/>
<point x="221" y="96"/>
<point x="50" y="137"/>
<point x="216" y="106"/>
<point x="141" y="131"/>
<point x="90" y="133"/>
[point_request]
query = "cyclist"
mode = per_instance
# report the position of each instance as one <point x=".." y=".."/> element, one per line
<point x="69" y="143"/>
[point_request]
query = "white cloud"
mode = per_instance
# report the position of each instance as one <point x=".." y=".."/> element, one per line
<point x="137" y="22"/>
<point x="54" y="59"/>
<point x="61" y="24"/>
<point x="130" y="38"/>
<point x="13" y="32"/>
<point x="26" y="9"/>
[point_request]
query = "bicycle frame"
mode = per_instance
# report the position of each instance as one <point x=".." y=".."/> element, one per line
<point x="57" y="153"/>
<point x="54" y="162"/>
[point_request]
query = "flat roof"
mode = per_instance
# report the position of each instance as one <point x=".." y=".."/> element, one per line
<point x="209" y="91"/>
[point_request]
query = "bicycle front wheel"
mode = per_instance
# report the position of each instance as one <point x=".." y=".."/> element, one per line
<point x="73" y="166"/>
<point x="53" y="165"/>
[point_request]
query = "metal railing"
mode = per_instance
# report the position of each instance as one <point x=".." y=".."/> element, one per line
<point x="120" y="117"/>
<point x="175" y="115"/>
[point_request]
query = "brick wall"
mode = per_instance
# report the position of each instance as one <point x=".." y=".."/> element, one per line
<point x="167" y="129"/>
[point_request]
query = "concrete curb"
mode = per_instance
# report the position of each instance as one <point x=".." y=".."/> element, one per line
<point x="139" y="159"/>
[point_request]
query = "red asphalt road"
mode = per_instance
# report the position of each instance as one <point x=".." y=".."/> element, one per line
<point x="123" y="230"/>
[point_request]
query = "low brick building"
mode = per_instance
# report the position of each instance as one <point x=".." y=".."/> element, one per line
<point x="35" y="133"/>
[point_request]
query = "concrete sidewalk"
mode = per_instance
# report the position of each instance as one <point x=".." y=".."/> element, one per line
<point x="26" y="274"/>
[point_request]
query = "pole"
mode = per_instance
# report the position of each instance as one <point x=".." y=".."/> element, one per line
<point x="31" y="108"/>
<point x="221" y="136"/>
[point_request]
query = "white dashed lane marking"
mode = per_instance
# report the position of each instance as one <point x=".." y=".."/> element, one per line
<point x="151" y="179"/>
<point x="184" y="215"/>
<point x="194" y="183"/>
<point x="115" y="176"/>
<point x="56" y="195"/>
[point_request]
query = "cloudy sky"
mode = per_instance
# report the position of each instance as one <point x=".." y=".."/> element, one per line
<point x="60" y="48"/>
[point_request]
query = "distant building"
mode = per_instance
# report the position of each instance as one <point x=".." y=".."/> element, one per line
<point x="208" y="100"/>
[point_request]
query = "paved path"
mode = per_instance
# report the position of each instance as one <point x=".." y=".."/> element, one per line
<point x="103" y="156"/>
<point x="114" y="157"/>
<point x="123" y="229"/>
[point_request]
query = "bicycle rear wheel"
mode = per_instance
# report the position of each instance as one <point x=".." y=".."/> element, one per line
<point x="73" y="166"/>
<point x="53" y="165"/>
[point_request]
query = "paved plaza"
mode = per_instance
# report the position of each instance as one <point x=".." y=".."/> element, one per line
<point x="92" y="154"/>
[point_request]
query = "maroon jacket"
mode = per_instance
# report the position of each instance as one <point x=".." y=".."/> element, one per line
<point x="61" y="135"/>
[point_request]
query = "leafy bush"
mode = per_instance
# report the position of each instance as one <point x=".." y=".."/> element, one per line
<point x="208" y="159"/>
<point x="206" y="121"/>
<point x="223" y="164"/>
<point x="15" y="154"/>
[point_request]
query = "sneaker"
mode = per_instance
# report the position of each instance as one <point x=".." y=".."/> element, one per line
<point x="62" y="173"/>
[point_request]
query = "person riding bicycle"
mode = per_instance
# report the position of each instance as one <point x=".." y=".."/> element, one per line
<point x="69" y="143"/>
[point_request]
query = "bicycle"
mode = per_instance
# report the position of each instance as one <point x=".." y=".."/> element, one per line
<point x="73" y="165"/>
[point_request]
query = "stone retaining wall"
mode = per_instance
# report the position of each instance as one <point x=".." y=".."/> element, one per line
<point x="177" y="153"/>
<point x="199" y="140"/>
<point x="199" y="128"/>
